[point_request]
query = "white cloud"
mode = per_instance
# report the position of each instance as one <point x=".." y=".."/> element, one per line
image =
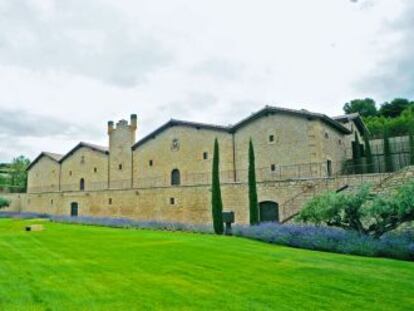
<point x="86" y="62"/>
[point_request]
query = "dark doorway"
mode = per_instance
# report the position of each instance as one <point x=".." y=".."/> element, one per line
<point x="175" y="177"/>
<point x="329" y="168"/>
<point x="269" y="211"/>
<point x="74" y="206"/>
<point x="82" y="184"/>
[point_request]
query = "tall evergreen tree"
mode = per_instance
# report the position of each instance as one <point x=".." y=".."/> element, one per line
<point x="216" y="201"/>
<point x="356" y="150"/>
<point x="253" y="204"/>
<point x="389" y="165"/>
<point x="411" y="142"/>
<point x="368" y="155"/>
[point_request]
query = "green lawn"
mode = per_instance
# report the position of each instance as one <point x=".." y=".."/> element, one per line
<point x="72" y="267"/>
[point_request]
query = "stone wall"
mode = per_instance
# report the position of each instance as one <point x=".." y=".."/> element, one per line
<point x="188" y="204"/>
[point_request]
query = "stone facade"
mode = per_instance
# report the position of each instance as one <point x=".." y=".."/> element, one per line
<point x="166" y="175"/>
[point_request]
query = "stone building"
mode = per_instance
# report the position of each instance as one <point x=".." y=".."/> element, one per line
<point x="165" y="176"/>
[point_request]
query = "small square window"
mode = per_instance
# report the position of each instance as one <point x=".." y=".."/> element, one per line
<point x="271" y="138"/>
<point x="95" y="170"/>
<point x="151" y="163"/>
<point x="110" y="201"/>
<point x="172" y="201"/>
<point x="120" y="166"/>
<point x="205" y="155"/>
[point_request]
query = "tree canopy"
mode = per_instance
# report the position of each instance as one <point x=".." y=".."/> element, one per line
<point x="397" y="115"/>
<point x="394" y="108"/>
<point x="362" y="211"/>
<point x="365" y="107"/>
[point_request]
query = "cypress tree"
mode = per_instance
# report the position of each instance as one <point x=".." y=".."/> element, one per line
<point x="389" y="165"/>
<point x="357" y="155"/>
<point x="368" y="155"/>
<point x="216" y="201"/>
<point x="411" y="143"/>
<point x="254" y="213"/>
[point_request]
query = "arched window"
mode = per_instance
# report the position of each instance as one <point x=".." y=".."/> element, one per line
<point x="82" y="184"/>
<point x="175" y="177"/>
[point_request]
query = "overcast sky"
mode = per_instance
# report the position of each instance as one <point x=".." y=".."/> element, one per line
<point x="69" y="66"/>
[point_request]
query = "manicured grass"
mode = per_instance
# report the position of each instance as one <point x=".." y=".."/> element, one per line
<point x="72" y="267"/>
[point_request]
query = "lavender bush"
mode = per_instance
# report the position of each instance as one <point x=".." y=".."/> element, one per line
<point x="398" y="245"/>
<point x="129" y="223"/>
<point x="22" y="215"/>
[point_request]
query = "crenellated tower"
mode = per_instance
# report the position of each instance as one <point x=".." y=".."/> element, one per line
<point x="121" y="139"/>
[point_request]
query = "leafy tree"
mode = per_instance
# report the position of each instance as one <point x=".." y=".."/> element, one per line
<point x="365" y="107"/>
<point x="18" y="173"/>
<point x="216" y="201"/>
<point x="361" y="211"/>
<point x="253" y="204"/>
<point x="368" y="155"/>
<point x="394" y="108"/>
<point x="389" y="165"/>
<point x="4" y="202"/>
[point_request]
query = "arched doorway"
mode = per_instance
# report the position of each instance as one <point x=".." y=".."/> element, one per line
<point x="268" y="211"/>
<point x="74" y="207"/>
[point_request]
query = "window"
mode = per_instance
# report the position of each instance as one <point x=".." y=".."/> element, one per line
<point x="120" y="166"/>
<point x="110" y="201"/>
<point x="151" y="163"/>
<point x="82" y="184"/>
<point x="95" y="170"/>
<point x="271" y="138"/>
<point x="273" y="167"/>
<point x="172" y="201"/>
<point x="70" y="173"/>
<point x="339" y="142"/>
<point x="51" y="202"/>
<point x="175" y="177"/>
<point x="326" y="135"/>
<point x="329" y="167"/>
<point x="205" y="155"/>
<point x="82" y="160"/>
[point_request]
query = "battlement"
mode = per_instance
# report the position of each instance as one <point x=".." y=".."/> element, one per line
<point x="123" y="124"/>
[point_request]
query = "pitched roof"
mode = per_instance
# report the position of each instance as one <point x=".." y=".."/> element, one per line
<point x="53" y="156"/>
<point x="232" y="129"/>
<point x="356" y="118"/>
<point x="174" y="122"/>
<point x="268" y="110"/>
<point x="94" y="147"/>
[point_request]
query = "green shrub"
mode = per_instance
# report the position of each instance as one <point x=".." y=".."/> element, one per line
<point x="4" y="202"/>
